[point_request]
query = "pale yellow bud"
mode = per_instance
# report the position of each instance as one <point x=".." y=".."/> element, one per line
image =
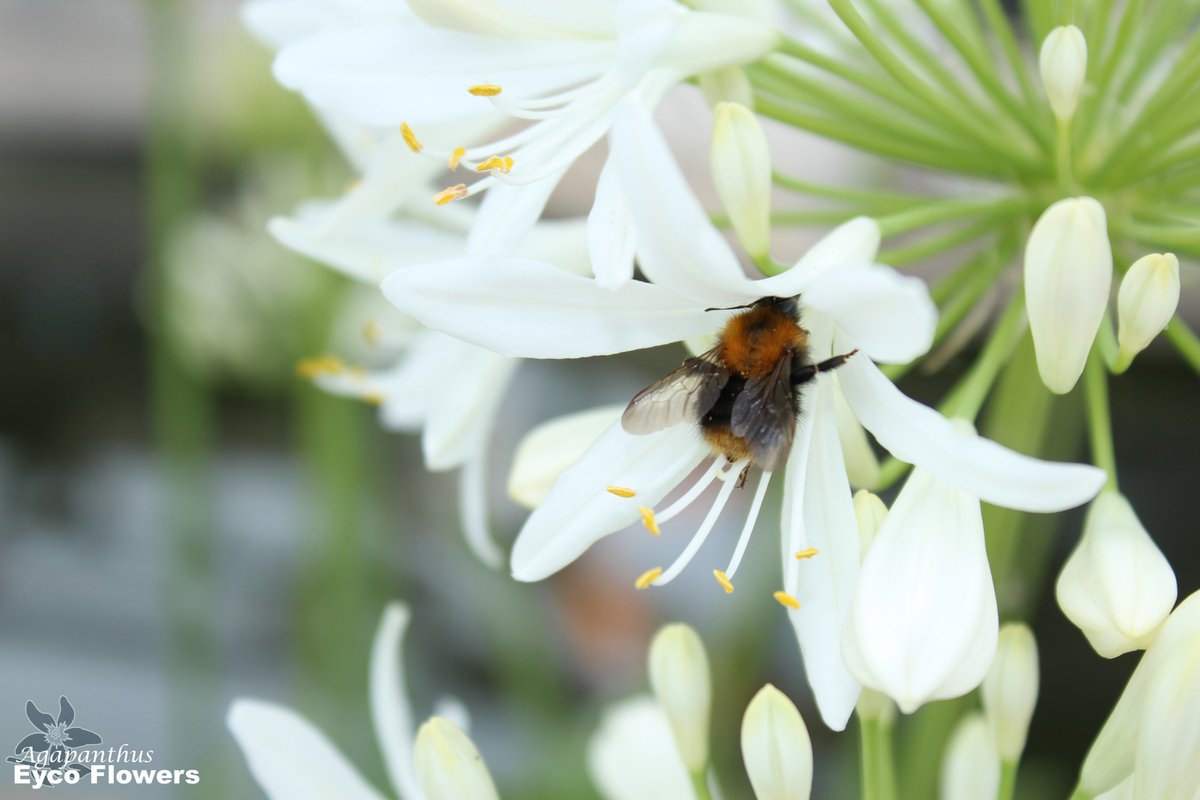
<point x="869" y="512"/>
<point x="680" y="678"/>
<point x="447" y="764"/>
<point x="1010" y="689"/>
<point x="741" y="168"/>
<point x="1146" y="301"/>
<point x="776" y="748"/>
<point x="1063" y="63"/>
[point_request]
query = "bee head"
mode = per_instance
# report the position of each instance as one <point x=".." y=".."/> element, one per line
<point x="785" y="305"/>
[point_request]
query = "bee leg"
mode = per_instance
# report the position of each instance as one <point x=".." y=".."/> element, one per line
<point x="807" y="372"/>
<point x="742" y="477"/>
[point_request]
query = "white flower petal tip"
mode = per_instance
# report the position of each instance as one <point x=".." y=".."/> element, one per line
<point x="1152" y="734"/>
<point x="288" y="756"/>
<point x="971" y="766"/>
<point x="918" y="434"/>
<point x="1068" y="276"/>
<point x="741" y="169"/>
<point x="550" y="448"/>
<point x="776" y="747"/>
<point x="1063" y="64"/>
<point x="889" y="316"/>
<point x="1146" y="301"/>
<point x="1010" y="690"/>
<point x="923" y="622"/>
<point x="869" y="512"/>
<point x="1117" y="586"/>
<point x="448" y="766"/>
<point x="682" y="684"/>
<point x="632" y="754"/>
<point x="580" y="510"/>
<point x="390" y="711"/>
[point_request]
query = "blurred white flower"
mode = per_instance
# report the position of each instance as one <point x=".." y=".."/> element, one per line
<point x="741" y="168"/>
<point x="971" y="765"/>
<point x="1063" y="63"/>
<point x="1068" y="274"/>
<point x="681" y="682"/>
<point x="523" y="307"/>
<point x="922" y="623"/>
<point x="1010" y="690"/>
<point x="448" y="766"/>
<point x="546" y="451"/>
<point x="1146" y="301"/>
<point x="292" y="760"/>
<point x="776" y="747"/>
<point x="633" y="756"/>
<point x="1153" y="733"/>
<point x="1117" y="586"/>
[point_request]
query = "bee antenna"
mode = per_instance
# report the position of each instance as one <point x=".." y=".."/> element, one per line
<point x="731" y="308"/>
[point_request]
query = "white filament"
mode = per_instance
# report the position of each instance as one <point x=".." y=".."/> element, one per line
<point x="691" y="494"/>
<point x="744" y="539"/>
<point x="706" y="527"/>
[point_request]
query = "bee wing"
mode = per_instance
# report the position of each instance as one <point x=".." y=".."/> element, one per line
<point x="764" y="414"/>
<point x="685" y="395"/>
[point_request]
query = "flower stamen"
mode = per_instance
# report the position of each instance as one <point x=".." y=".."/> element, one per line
<point x="807" y="552"/>
<point x="484" y="90"/>
<point x="760" y="492"/>
<point x="456" y="156"/>
<point x="702" y="533"/>
<point x="410" y="138"/>
<point x="787" y="600"/>
<point x="691" y="494"/>
<point x="311" y="368"/>
<point x="647" y="578"/>
<point x="450" y="193"/>
<point x="723" y="579"/>
<point x="499" y="163"/>
<point x="621" y="491"/>
<point x="649" y="521"/>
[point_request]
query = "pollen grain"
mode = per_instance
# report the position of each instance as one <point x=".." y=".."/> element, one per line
<point x="807" y="552"/>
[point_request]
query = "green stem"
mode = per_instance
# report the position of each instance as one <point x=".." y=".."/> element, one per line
<point x="945" y="211"/>
<point x="1099" y="418"/>
<point x="997" y="18"/>
<point x="878" y="761"/>
<point x="1080" y="794"/>
<point x="1063" y="157"/>
<point x="917" y="251"/>
<point x="968" y="397"/>
<point x="864" y="197"/>
<point x="700" y="785"/>
<point x="1008" y="780"/>
<point x="1185" y="341"/>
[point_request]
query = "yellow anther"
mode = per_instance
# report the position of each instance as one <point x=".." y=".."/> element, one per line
<point x="353" y="186"/>
<point x="485" y="90"/>
<point x="498" y="163"/>
<point x="649" y="520"/>
<point x="410" y="138"/>
<point x="621" y="491"/>
<point x="457" y="156"/>
<point x="456" y="192"/>
<point x="373" y="398"/>
<point x="371" y="333"/>
<point x="648" y="577"/>
<point x="310" y="368"/>
<point x="786" y="600"/>
<point x="722" y="579"/>
<point x="807" y="552"/>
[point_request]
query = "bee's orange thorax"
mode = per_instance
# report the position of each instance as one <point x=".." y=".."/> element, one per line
<point x="753" y="342"/>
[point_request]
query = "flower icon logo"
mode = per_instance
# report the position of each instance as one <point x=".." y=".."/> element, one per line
<point x="52" y="745"/>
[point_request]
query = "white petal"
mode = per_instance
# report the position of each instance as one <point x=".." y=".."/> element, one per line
<point x="549" y="449"/>
<point x="611" y="233"/>
<point x="1010" y="689"/>
<point x="561" y="242"/>
<point x="386" y="75"/>
<point x="862" y="465"/>
<point x="507" y="215"/>
<point x="290" y="759"/>
<point x="448" y="765"/>
<point x="682" y="685"/>
<point x="524" y="308"/>
<point x="971" y="766"/>
<point x="818" y="512"/>
<point x="678" y="247"/>
<point x="776" y="747"/>
<point x="473" y="381"/>
<point x="917" y="434"/>
<point x="580" y="511"/>
<point x="923" y="624"/>
<point x="280" y="22"/>
<point x="390" y="710"/>
<point x="473" y="511"/>
<point x="632" y="755"/>
<point x="852" y="244"/>
<point x="891" y="317"/>
<point x="1166" y="767"/>
<point x="707" y="41"/>
<point x="527" y="19"/>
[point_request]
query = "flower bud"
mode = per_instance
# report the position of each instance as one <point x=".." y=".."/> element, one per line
<point x="1146" y="302"/>
<point x="680" y="679"/>
<point x="1068" y="275"/>
<point x="547" y="451"/>
<point x="1063" y="63"/>
<point x="632" y="755"/>
<point x="447" y="764"/>
<point x="776" y="748"/>
<point x="1010" y="690"/>
<point x="741" y="168"/>
<point x="971" y="766"/>
<point x="922" y="623"/>
<point x="1117" y="586"/>
<point x="869" y="512"/>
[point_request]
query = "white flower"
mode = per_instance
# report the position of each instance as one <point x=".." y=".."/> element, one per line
<point x="292" y="760"/>
<point x="1068" y="274"/>
<point x="681" y="682"/>
<point x="1010" y="689"/>
<point x="741" y="168"/>
<point x="1117" y="586"/>
<point x="548" y="450"/>
<point x="632" y="755"/>
<point x="1146" y="301"/>
<point x="448" y="766"/>
<point x="971" y="766"/>
<point x="1063" y="63"/>
<point x="922" y="624"/>
<point x="776" y="747"/>
<point x="566" y="67"/>
<point x="1153" y="732"/>
<point x="522" y="307"/>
